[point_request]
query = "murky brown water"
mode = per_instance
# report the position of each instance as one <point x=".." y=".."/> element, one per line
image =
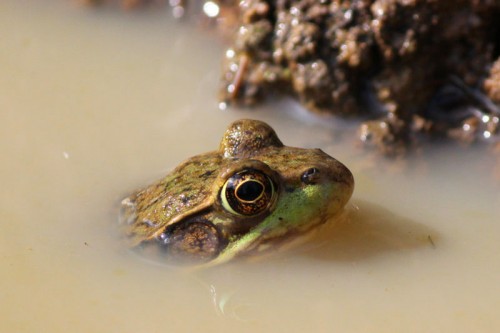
<point x="97" y="103"/>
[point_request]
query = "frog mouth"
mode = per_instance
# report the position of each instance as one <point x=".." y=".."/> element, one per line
<point x="283" y="242"/>
<point x="265" y="244"/>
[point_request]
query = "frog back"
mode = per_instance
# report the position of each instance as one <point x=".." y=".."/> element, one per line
<point x="188" y="189"/>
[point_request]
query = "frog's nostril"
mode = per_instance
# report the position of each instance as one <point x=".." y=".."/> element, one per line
<point x="310" y="176"/>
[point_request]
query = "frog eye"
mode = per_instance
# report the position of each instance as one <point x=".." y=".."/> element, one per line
<point x="248" y="193"/>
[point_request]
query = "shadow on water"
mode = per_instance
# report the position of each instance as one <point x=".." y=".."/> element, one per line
<point x="364" y="232"/>
<point x="369" y="230"/>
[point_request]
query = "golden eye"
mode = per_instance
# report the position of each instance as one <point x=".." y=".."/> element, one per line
<point x="248" y="192"/>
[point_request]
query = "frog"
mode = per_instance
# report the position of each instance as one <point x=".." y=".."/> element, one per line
<point x="250" y="196"/>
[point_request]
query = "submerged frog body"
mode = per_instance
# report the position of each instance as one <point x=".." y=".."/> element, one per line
<point x="251" y="194"/>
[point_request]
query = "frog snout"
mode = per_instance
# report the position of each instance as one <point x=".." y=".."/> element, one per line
<point x="343" y="175"/>
<point x="343" y="180"/>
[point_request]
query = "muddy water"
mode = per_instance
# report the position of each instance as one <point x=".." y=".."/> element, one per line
<point x="96" y="103"/>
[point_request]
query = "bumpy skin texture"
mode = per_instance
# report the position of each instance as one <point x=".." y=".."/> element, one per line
<point x="190" y="198"/>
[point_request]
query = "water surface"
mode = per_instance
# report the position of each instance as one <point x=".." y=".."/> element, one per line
<point x="96" y="103"/>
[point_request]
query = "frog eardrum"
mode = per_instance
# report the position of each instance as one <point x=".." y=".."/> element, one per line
<point x="196" y="239"/>
<point x="248" y="192"/>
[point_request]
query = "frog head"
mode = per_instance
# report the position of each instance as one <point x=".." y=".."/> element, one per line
<point x="251" y="195"/>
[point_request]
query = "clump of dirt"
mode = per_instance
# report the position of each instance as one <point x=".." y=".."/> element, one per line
<point x="413" y="66"/>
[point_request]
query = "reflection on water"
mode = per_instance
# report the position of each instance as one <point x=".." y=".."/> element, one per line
<point x="93" y="107"/>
